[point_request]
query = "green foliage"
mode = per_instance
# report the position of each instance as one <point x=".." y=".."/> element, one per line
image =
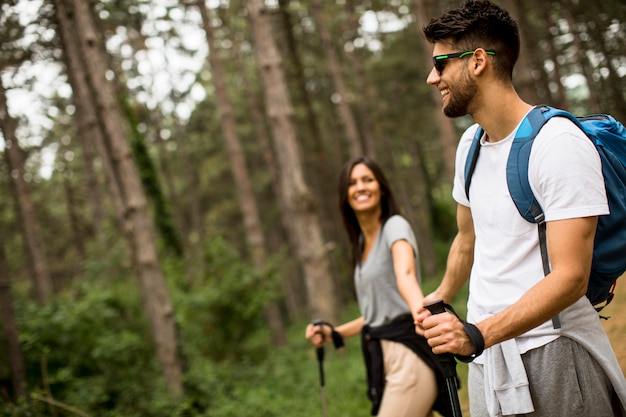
<point x="284" y="381"/>
<point x="221" y="314"/>
<point x="444" y="214"/>
<point x="90" y="348"/>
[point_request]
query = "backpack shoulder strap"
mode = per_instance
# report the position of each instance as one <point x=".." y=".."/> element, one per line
<point x="517" y="164"/>
<point x="472" y="158"/>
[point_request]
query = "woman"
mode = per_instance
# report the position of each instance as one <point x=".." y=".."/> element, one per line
<point x="399" y="362"/>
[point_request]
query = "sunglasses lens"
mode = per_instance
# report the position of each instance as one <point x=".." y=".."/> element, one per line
<point x="439" y="65"/>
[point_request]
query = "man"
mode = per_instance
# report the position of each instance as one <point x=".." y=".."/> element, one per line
<point x="532" y="365"/>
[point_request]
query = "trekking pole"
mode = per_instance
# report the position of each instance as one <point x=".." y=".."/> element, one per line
<point x="320" y="361"/>
<point x="338" y="342"/>
<point x="448" y="363"/>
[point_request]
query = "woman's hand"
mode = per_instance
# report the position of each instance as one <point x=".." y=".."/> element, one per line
<point x="422" y="313"/>
<point x="317" y="334"/>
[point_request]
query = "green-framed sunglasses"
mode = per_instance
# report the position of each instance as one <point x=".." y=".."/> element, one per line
<point x="439" y="61"/>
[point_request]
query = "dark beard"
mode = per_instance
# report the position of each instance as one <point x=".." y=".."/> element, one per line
<point x="461" y="97"/>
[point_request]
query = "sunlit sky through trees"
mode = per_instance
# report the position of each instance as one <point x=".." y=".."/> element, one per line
<point x="161" y="69"/>
<point x="166" y="66"/>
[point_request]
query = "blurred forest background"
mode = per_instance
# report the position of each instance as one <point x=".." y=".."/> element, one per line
<point x="169" y="215"/>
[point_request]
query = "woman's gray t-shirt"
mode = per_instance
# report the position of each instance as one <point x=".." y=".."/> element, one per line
<point x="377" y="291"/>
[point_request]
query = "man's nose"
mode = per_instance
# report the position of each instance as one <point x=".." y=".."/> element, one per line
<point x="433" y="77"/>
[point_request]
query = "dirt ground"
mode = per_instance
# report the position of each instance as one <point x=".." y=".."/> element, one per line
<point x="615" y="326"/>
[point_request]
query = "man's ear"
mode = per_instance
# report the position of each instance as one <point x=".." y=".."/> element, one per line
<point x="479" y="60"/>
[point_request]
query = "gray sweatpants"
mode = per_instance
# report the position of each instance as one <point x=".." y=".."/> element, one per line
<point x="565" y="380"/>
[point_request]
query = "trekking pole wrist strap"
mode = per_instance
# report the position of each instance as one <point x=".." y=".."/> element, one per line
<point x="334" y="334"/>
<point x="474" y="335"/>
<point x="477" y="340"/>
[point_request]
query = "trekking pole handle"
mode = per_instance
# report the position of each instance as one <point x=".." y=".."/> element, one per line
<point x="447" y="359"/>
<point x="436" y="307"/>
<point x="473" y="332"/>
<point x="334" y="334"/>
<point x="448" y="364"/>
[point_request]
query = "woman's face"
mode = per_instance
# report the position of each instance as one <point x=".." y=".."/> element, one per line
<point x="363" y="190"/>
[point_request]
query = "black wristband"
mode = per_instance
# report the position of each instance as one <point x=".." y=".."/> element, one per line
<point x="337" y="339"/>
<point x="473" y="333"/>
<point x="477" y="340"/>
<point x="334" y="334"/>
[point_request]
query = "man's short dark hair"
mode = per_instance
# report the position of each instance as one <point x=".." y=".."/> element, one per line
<point x="479" y="24"/>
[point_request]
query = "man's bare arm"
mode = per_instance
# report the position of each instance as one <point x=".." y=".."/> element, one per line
<point x="460" y="258"/>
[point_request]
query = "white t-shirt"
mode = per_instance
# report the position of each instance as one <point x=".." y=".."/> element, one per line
<point x="565" y="175"/>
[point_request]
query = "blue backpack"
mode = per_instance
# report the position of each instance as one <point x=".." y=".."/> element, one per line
<point x="609" y="138"/>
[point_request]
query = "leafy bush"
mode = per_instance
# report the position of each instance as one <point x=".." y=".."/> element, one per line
<point x="91" y="349"/>
<point x="221" y="315"/>
<point x="284" y="381"/>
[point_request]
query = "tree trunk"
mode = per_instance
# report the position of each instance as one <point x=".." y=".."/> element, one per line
<point x="321" y="181"/>
<point x="11" y="335"/>
<point x="302" y="211"/>
<point x="530" y="73"/>
<point x="74" y="218"/>
<point x="447" y="131"/>
<point x="245" y="195"/>
<point x="42" y="285"/>
<point x="197" y="233"/>
<point x="583" y="60"/>
<point x="421" y="188"/>
<point x="368" y="90"/>
<point x="615" y="91"/>
<point x="158" y="305"/>
<point x="553" y="54"/>
<point x="293" y="57"/>
<point x="89" y="134"/>
<point x="291" y="278"/>
<point x="150" y="183"/>
<point x="93" y="185"/>
<point x="351" y="132"/>
<point x="523" y="74"/>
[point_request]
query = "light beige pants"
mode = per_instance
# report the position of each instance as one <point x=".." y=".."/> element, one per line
<point x="410" y="385"/>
